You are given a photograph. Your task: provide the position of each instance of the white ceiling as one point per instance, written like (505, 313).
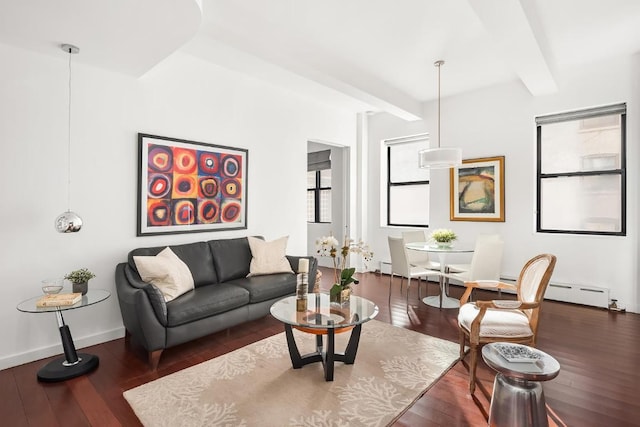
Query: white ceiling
(357, 54)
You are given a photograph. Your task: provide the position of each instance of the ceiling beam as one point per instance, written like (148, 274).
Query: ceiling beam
(318, 67)
(515, 28)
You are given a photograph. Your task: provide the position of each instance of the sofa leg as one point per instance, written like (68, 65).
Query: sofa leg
(154, 359)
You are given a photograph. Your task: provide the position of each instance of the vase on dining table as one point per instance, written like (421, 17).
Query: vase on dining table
(443, 245)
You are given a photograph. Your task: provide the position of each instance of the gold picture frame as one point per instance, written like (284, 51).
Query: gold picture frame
(477, 190)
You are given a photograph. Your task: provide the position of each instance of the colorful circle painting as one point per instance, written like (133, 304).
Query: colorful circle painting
(230, 211)
(208, 187)
(187, 186)
(158, 213)
(231, 188)
(208, 212)
(160, 158)
(208, 163)
(183, 212)
(159, 186)
(184, 160)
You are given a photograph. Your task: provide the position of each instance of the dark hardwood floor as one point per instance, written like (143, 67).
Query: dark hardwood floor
(598, 385)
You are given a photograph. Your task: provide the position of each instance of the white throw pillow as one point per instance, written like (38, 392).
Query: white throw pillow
(268, 257)
(167, 271)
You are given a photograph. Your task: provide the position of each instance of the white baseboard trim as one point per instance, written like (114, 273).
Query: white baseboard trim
(53, 350)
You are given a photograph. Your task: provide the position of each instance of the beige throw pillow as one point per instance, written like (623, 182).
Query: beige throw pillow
(167, 271)
(268, 257)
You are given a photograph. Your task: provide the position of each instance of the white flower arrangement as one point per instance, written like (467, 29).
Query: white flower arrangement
(443, 235)
(342, 276)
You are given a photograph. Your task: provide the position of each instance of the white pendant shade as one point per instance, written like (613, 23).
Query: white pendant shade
(440, 158)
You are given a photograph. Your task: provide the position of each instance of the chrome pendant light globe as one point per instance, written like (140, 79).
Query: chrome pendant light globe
(68, 222)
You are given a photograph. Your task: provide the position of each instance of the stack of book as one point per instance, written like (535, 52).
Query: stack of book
(517, 352)
(59, 300)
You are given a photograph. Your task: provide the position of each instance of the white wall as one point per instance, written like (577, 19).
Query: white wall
(182, 97)
(500, 121)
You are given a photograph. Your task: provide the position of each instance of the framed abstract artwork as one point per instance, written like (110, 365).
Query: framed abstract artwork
(188, 187)
(477, 190)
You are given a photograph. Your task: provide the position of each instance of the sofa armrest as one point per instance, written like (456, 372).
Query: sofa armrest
(153, 293)
(144, 315)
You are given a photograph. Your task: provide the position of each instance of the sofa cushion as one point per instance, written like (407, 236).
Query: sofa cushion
(231, 258)
(263, 288)
(167, 271)
(268, 257)
(205, 301)
(196, 255)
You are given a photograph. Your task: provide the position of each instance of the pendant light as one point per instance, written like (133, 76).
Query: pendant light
(69, 222)
(439, 157)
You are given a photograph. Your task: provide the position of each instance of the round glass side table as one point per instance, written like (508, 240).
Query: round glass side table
(73, 364)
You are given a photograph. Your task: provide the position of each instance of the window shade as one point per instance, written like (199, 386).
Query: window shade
(319, 160)
(582, 114)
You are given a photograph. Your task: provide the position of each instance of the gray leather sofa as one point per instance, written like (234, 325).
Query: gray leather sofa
(223, 296)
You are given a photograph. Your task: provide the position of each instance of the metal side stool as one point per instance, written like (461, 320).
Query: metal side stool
(518, 398)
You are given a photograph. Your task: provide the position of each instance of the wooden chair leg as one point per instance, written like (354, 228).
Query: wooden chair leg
(472, 368)
(390, 280)
(154, 359)
(462, 340)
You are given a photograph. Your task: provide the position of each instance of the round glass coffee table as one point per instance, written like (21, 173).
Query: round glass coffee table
(73, 364)
(323, 317)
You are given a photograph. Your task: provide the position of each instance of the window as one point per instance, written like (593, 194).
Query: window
(319, 186)
(581, 172)
(407, 184)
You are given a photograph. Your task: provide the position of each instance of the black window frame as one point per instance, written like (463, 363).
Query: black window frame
(316, 190)
(621, 171)
(390, 184)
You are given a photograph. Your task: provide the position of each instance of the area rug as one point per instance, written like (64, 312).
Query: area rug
(256, 385)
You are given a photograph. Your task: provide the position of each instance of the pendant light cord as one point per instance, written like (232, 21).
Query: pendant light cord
(439, 64)
(69, 140)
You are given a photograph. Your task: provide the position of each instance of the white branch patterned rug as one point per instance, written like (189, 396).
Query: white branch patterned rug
(256, 385)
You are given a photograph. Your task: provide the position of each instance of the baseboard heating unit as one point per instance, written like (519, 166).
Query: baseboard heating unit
(578, 294)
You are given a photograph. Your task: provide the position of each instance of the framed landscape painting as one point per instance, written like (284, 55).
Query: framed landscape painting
(477, 190)
(188, 187)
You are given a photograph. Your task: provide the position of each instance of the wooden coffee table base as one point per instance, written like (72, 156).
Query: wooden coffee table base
(327, 356)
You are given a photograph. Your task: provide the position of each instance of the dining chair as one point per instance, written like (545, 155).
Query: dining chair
(486, 263)
(514, 321)
(418, 258)
(459, 268)
(400, 266)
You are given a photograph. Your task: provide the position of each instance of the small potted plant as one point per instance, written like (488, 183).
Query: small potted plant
(443, 237)
(80, 279)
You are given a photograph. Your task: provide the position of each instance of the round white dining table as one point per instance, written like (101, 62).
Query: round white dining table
(442, 300)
